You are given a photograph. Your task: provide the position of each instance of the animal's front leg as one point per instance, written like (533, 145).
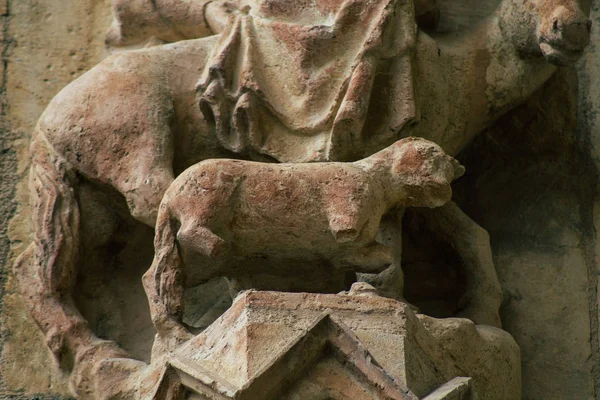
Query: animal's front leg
(390, 282)
(472, 244)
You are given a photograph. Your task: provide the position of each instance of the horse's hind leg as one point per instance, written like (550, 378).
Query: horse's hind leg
(46, 271)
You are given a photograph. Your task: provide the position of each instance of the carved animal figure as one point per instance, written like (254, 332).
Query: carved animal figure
(127, 127)
(227, 210)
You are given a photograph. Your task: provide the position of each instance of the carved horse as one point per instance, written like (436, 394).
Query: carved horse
(132, 123)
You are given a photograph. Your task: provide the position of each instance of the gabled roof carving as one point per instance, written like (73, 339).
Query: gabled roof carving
(300, 346)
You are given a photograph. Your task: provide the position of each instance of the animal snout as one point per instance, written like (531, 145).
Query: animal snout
(448, 169)
(458, 169)
(564, 35)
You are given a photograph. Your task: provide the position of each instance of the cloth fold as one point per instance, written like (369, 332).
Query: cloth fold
(294, 79)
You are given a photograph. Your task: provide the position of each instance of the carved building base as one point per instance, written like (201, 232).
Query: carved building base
(355, 345)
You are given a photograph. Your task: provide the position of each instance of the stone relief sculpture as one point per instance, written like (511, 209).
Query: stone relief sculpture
(269, 81)
(235, 216)
(336, 338)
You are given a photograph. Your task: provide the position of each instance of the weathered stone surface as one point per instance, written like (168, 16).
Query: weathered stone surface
(558, 356)
(542, 243)
(292, 346)
(235, 218)
(46, 45)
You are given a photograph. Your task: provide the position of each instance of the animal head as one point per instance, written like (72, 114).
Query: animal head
(421, 172)
(559, 30)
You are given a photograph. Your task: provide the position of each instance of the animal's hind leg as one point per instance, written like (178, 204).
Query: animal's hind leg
(201, 239)
(390, 282)
(46, 271)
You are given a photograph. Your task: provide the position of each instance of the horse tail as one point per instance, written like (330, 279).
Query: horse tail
(163, 282)
(46, 270)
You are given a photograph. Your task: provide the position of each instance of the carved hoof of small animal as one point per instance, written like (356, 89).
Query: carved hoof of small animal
(363, 289)
(180, 335)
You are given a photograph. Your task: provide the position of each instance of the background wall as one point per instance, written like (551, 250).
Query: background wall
(46, 44)
(531, 181)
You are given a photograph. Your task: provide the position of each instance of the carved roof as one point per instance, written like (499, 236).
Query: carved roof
(294, 346)
(327, 341)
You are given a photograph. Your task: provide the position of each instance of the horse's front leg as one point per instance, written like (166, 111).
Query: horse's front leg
(451, 225)
(47, 272)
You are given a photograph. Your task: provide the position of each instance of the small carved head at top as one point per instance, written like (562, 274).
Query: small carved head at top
(558, 30)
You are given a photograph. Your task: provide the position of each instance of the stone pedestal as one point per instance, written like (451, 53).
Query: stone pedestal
(355, 345)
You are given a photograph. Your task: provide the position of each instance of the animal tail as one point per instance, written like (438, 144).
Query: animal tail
(46, 270)
(163, 282)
